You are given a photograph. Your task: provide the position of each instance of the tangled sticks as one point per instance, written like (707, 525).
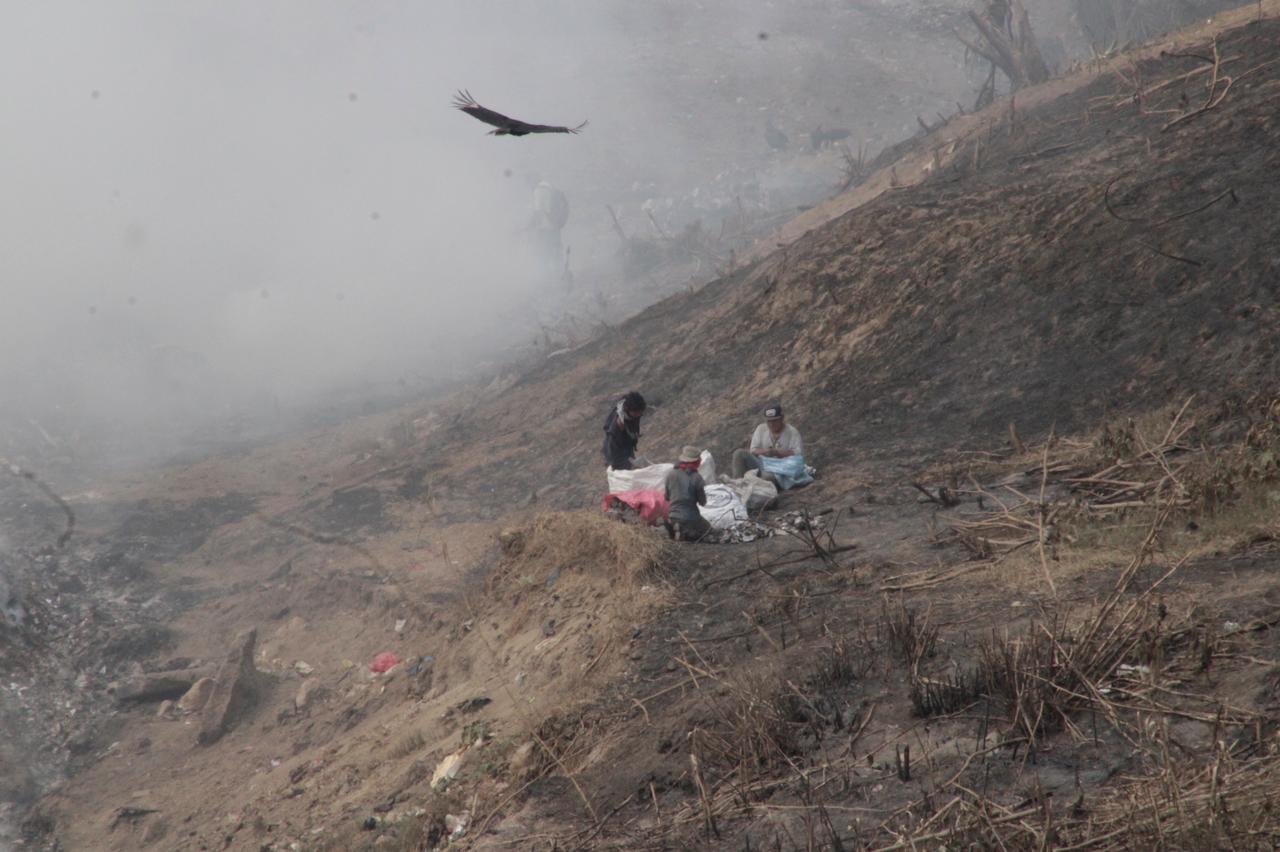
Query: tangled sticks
(23, 473)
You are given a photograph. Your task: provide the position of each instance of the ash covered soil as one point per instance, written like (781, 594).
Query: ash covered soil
(1066, 262)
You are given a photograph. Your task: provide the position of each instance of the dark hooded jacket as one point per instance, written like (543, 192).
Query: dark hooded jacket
(621, 437)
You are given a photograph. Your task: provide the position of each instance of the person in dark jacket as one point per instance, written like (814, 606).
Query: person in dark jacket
(622, 432)
(686, 491)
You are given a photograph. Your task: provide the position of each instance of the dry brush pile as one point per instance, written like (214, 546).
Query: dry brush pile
(1131, 471)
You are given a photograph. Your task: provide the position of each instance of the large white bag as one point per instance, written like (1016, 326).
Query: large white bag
(651, 478)
(755, 492)
(724, 508)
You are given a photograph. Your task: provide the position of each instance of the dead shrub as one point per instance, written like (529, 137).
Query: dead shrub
(949, 693)
(907, 633)
(754, 730)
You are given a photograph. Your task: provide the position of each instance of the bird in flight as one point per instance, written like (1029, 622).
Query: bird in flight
(506, 126)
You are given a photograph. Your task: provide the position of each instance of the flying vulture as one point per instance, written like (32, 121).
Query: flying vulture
(506, 126)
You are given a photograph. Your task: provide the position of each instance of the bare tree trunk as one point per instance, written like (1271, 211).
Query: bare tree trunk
(1009, 42)
(1097, 20)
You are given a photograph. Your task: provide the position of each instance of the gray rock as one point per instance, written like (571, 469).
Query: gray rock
(237, 689)
(308, 693)
(158, 686)
(195, 698)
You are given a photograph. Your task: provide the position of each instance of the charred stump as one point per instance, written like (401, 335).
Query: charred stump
(1008, 42)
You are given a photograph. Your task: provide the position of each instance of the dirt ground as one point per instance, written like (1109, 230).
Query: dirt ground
(1079, 258)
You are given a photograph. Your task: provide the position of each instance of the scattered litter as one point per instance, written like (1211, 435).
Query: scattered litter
(1231, 626)
(800, 521)
(384, 662)
(421, 664)
(400, 623)
(740, 533)
(467, 625)
(303, 669)
(457, 825)
(1126, 670)
(448, 768)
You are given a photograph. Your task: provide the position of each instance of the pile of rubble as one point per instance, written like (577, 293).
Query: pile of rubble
(797, 522)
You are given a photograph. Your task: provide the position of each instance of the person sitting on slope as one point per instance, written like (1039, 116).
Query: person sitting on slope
(774, 439)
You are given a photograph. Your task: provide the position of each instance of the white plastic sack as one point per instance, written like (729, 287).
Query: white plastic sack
(761, 492)
(707, 467)
(755, 492)
(651, 478)
(724, 508)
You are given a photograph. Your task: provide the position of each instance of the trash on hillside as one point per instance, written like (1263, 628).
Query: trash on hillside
(457, 825)
(384, 662)
(421, 664)
(448, 768)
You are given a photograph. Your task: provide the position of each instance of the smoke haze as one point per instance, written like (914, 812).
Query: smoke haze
(233, 206)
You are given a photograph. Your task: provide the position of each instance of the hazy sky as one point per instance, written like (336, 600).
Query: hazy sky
(280, 187)
(220, 200)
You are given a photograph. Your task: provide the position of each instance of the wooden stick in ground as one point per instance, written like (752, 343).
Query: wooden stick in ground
(1041, 514)
(708, 815)
(1018, 446)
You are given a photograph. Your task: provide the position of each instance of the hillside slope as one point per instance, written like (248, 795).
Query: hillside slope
(1092, 261)
(1073, 260)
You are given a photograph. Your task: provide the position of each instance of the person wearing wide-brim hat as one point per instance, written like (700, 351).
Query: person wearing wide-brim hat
(775, 438)
(686, 491)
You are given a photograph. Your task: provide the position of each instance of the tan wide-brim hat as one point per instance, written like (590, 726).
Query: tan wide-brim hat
(690, 454)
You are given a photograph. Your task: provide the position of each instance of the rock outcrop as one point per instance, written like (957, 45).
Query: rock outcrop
(237, 688)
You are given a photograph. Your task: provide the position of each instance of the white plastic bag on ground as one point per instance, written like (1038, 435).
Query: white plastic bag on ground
(724, 508)
(755, 492)
(653, 477)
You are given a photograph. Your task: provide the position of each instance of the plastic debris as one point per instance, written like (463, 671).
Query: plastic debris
(384, 662)
(421, 664)
(457, 825)
(448, 768)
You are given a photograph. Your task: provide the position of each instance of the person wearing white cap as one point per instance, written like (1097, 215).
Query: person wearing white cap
(775, 438)
(686, 491)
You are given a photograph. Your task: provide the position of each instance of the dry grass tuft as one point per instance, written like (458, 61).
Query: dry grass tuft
(587, 543)
(411, 743)
(908, 633)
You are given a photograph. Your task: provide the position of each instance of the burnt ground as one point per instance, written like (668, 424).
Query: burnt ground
(1065, 265)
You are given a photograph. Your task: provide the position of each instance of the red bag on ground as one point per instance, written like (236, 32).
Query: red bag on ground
(384, 662)
(651, 505)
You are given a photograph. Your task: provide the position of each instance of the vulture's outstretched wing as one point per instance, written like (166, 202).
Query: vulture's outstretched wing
(548, 128)
(506, 126)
